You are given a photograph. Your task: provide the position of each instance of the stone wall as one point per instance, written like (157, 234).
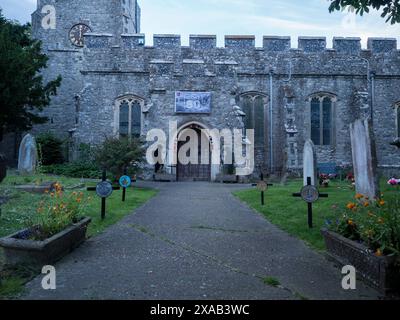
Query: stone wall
(113, 65)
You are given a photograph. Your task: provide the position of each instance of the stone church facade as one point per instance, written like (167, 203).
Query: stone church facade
(113, 84)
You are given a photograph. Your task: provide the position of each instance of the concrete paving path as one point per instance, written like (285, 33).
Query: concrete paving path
(195, 241)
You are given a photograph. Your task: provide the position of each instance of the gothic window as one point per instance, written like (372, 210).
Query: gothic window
(397, 114)
(253, 105)
(128, 114)
(321, 108)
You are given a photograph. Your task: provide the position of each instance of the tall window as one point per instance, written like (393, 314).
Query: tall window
(397, 112)
(253, 105)
(322, 120)
(129, 117)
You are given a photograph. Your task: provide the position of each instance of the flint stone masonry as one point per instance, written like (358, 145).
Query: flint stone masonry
(113, 64)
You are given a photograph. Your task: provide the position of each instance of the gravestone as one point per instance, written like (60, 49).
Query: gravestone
(309, 163)
(364, 159)
(3, 167)
(27, 157)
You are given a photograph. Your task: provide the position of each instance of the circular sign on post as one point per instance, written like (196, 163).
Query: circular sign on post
(310, 194)
(104, 189)
(125, 182)
(262, 186)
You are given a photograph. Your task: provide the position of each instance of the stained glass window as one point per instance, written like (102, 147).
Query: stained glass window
(136, 119)
(398, 120)
(259, 120)
(315, 121)
(130, 118)
(124, 119)
(321, 121)
(327, 121)
(253, 106)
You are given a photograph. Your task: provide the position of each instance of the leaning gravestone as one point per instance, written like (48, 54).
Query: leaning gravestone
(309, 163)
(27, 157)
(364, 159)
(3, 167)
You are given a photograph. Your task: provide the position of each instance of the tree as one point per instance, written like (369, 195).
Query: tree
(390, 8)
(116, 154)
(22, 92)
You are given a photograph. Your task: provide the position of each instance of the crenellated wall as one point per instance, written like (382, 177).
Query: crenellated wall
(109, 67)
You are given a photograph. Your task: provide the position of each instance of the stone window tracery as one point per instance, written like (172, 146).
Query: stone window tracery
(128, 116)
(322, 119)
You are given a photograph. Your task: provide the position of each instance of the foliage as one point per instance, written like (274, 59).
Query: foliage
(50, 149)
(390, 8)
(56, 211)
(79, 169)
(85, 153)
(373, 222)
(22, 91)
(116, 154)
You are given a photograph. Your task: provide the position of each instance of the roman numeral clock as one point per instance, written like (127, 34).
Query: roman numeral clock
(76, 34)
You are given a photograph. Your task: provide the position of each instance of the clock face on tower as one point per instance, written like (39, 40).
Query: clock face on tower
(76, 34)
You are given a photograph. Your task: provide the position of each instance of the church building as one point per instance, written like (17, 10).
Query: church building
(115, 84)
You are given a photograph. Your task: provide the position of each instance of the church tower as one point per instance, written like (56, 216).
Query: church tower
(60, 25)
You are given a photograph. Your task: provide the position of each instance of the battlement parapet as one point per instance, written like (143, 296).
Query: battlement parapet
(274, 44)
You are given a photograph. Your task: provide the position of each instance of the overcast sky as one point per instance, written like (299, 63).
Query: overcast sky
(256, 17)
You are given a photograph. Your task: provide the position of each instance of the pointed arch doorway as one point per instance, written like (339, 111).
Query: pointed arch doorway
(197, 171)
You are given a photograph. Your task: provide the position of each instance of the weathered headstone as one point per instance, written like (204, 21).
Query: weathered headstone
(3, 167)
(27, 157)
(309, 163)
(364, 159)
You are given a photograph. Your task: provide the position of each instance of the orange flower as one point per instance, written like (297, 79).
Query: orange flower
(359, 196)
(78, 200)
(382, 202)
(350, 222)
(351, 206)
(366, 204)
(379, 253)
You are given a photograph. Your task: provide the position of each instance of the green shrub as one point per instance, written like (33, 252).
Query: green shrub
(74, 170)
(116, 154)
(50, 149)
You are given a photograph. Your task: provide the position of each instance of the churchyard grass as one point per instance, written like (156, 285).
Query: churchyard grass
(290, 213)
(22, 205)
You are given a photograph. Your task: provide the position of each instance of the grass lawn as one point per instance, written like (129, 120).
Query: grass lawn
(22, 205)
(290, 214)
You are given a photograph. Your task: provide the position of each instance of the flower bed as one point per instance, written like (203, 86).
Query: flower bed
(366, 234)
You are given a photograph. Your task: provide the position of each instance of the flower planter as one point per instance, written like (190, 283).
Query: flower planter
(380, 272)
(18, 250)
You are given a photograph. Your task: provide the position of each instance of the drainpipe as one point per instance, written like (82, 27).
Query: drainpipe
(271, 74)
(372, 75)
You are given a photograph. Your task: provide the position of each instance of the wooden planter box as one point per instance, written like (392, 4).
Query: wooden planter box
(380, 272)
(19, 251)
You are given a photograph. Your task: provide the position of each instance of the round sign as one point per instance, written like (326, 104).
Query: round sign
(262, 186)
(125, 182)
(310, 194)
(104, 189)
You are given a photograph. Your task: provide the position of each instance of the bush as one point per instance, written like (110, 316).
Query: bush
(116, 154)
(74, 170)
(50, 149)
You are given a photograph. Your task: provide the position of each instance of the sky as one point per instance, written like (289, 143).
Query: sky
(242, 17)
